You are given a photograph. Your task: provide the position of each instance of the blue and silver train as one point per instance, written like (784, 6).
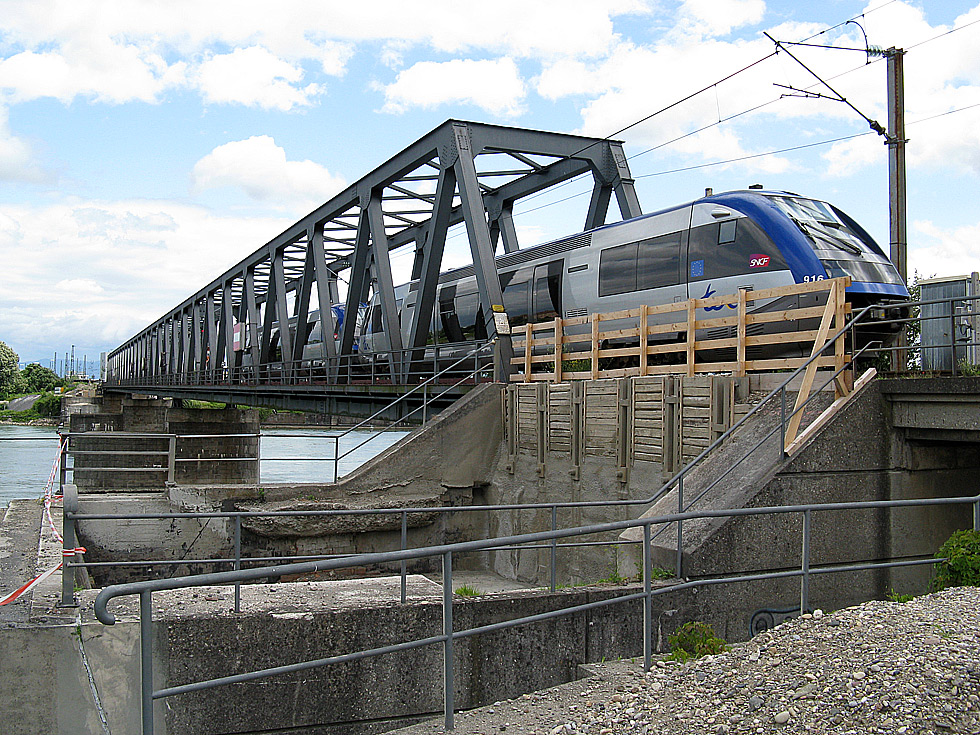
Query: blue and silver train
(751, 239)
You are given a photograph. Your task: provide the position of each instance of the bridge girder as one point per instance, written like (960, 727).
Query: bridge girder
(460, 172)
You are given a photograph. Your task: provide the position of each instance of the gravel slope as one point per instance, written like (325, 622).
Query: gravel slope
(881, 667)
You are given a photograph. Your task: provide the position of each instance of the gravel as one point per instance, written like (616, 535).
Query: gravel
(882, 667)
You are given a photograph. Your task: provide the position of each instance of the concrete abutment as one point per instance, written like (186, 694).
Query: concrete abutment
(527, 447)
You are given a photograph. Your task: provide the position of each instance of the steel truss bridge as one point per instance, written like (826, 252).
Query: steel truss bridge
(245, 336)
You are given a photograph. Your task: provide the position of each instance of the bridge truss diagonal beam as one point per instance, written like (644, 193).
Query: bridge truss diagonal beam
(460, 173)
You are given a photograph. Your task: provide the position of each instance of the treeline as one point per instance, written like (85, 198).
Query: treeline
(32, 379)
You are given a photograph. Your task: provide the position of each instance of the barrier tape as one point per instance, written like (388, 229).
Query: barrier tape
(49, 497)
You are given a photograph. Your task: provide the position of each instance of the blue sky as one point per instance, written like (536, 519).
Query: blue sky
(147, 146)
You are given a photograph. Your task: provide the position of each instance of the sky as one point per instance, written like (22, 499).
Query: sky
(147, 146)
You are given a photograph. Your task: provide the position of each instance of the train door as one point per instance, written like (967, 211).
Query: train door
(516, 291)
(546, 291)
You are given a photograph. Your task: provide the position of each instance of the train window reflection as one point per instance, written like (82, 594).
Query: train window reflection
(617, 270)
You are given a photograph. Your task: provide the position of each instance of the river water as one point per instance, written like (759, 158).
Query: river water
(27, 454)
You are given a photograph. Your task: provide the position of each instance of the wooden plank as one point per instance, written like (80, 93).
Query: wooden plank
(691, 310)
(740, 334)
(595, 347)
(528, 350)
(811, 370)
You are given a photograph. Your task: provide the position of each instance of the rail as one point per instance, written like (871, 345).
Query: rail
(449, 635)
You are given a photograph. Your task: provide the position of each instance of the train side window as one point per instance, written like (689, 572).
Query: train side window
(617, 269)
(656, 261)
(726, 231)
(751, 252)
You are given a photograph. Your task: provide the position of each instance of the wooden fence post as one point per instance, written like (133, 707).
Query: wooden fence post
(691, 334)
(528, 343)
(643, 339)
(558, 349)
(595, 346)
(740, 334)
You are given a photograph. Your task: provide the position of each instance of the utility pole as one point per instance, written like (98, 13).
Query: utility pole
(895, 140)
(896, 160)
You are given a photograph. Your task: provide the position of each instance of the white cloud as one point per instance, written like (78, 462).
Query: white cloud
(494, 85)
(719, 17)
(130, 261)
(117, 51)
(16, 159)
(105, 71)
(937, 251)
(255, 77)
(259, 168)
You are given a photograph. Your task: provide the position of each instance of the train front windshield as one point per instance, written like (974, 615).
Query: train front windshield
(842, 250)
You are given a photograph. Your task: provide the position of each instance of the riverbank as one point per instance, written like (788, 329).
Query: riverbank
(880, 667)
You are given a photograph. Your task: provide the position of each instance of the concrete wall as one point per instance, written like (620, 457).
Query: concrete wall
(388, 692)
(45, 686)
(158, 417)
(857, 456)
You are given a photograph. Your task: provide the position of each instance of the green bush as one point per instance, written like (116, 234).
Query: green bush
(48, 405)
(38, 378)
(694, 640)
(962, 566)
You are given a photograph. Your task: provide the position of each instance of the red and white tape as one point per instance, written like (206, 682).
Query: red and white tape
(49, 497)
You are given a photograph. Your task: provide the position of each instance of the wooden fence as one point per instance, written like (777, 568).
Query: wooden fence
(628, 335)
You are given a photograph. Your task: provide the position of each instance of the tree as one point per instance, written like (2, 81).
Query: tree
(9, 374)
(39, 378)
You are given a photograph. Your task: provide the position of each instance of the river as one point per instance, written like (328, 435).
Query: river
(28, 452)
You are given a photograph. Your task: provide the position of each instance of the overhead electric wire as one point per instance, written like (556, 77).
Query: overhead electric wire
(739, 114)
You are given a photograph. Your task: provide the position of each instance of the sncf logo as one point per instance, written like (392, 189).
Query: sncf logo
(758, 261)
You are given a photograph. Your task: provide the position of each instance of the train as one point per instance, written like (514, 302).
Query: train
(752, 239)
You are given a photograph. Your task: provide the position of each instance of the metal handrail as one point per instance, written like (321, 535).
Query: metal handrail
(146, 589)
(300, 371)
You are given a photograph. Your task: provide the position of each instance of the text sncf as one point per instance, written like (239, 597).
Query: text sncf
(758, 261)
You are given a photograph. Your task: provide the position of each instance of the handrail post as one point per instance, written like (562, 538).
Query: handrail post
(146, 661)
(447, 646)
(679, 563)
(171, 457)
(805, 567)
(647, 602)
(238, 562)
(554, 548)
(63, 469)
(782, 423)
(336, 457)
(976, 516)
(69, 507)
(404, 565)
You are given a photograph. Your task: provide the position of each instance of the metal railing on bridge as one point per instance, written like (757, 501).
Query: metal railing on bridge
(390, 367)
